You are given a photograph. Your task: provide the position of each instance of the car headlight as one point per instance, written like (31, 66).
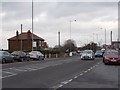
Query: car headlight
(81, 56)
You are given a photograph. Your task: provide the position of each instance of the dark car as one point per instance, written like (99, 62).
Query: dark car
(6, 57)
(20, 56)
(111, 57)
(99, 53)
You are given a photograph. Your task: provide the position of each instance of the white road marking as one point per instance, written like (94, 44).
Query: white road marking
(60, 85)
(81, 74)
(85, 71)
(8, 72)
(70, 80)
(65, 82)
(89, 69)
(9, 76)
(30, 69)
(19, 69)
(75, 77)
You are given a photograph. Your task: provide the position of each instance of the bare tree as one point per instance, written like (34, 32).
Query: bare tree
(69, 45)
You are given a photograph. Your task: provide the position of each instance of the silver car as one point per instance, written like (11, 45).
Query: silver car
(87, 55)
(6, 57)
(36, 55)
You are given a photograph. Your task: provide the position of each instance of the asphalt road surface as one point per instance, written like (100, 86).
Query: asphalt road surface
(62, 73)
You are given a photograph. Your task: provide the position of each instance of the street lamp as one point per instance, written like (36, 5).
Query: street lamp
(105, 35)
(32, 25)
(70, 54)
(70, 27)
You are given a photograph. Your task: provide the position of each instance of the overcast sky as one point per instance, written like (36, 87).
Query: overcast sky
(92, 18)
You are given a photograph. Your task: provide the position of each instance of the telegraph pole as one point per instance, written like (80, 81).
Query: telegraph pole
(32, 25)
(111, 37)
(21, 38)
(59, 39)
(70, 37)
(105, 37)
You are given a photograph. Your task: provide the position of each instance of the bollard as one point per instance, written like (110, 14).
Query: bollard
(56, 55)
(45, 55)
(49, 55)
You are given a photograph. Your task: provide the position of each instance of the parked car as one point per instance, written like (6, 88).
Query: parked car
(111, 57)
(6, 57)
(36, 55)
(20, 56)
(80, 53)
(87, 55)
(99, 53)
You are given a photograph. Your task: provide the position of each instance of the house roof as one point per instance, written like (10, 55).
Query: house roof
(26, 35)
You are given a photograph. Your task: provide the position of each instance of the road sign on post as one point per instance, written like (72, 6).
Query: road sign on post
(34, 44)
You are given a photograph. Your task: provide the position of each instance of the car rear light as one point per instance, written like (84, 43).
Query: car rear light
(17, 55)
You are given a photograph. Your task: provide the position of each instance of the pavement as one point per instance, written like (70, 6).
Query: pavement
(63, 73)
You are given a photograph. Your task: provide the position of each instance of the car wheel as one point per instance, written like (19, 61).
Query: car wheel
(3, 61)
(12, 61)
(39, 58)
(28, 59)
(106, 63)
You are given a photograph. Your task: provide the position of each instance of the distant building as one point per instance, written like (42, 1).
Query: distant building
(23, 41)
(116, 44)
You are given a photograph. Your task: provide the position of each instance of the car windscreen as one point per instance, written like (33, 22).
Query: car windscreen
(34, 52)
(15, 52)
(112, 53)
(98, 52)
(88, 52)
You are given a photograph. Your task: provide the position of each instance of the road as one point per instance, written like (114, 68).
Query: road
(61, 73)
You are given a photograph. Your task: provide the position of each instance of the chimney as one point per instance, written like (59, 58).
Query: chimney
(21, 28)
(29, 31)
(29, 34)
(17, 33)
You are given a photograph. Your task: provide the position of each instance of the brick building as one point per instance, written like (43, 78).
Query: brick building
(23, 41)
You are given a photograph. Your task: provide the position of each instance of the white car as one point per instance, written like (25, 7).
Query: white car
(87, 55)
(36, 55)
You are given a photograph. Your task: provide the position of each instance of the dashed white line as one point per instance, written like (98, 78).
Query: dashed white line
(89, 69)
(81, 74)
(70, 80)
(65, 82)
(85, 71)
(60, 86)
(76, 77)
(93, 66)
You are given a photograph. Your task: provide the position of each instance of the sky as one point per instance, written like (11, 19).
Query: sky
(92, 18)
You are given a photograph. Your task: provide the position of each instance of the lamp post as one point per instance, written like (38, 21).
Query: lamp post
(105, 35)
(59, 39)
(70, 54)
(32, 25)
